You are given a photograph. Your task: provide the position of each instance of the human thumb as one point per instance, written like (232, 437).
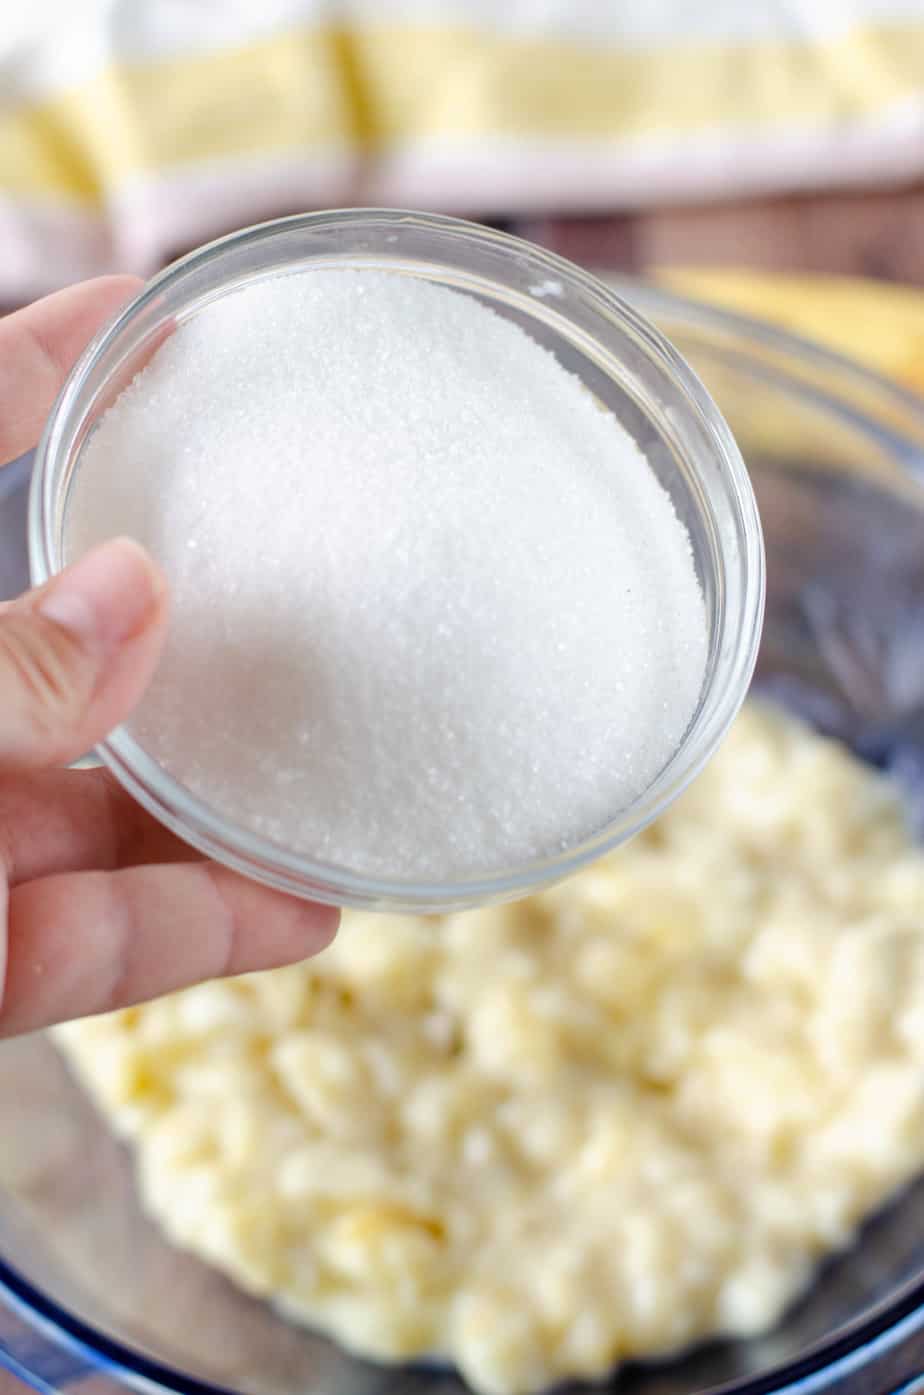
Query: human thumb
(77, 654)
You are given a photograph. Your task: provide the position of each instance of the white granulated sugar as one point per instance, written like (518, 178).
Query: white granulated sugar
(433, 615)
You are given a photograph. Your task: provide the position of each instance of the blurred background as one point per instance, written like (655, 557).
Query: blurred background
(785, 137)
(746, 152)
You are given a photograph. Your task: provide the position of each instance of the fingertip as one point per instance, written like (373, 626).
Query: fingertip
(107, 597)
(114, 603)
(89, 942)
(77, 654)
(320, 926)
(270, 928)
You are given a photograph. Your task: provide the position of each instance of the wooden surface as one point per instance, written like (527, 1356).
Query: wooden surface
(877, 233)
(872, 233)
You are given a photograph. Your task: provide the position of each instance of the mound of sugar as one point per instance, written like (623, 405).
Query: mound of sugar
(433, 615)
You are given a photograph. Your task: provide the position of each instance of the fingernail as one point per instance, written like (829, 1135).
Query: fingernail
(107, 597)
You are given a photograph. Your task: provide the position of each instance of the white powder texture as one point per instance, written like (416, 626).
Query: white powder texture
(433, 614)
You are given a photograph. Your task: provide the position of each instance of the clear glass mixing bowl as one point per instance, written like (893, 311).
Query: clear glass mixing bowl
(619, 357)
(101, 1303)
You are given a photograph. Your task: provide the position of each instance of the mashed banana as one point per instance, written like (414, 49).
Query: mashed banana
(619, 1116)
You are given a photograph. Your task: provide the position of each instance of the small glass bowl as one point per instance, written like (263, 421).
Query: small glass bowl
(620, 358)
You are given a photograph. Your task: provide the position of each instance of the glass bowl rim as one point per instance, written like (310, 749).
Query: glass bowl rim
(816, 1371)
(246, 852)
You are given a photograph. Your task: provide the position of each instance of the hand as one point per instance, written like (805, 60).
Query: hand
(99, 905)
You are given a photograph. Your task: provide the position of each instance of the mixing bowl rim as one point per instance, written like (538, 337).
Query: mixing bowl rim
(832, 1359)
